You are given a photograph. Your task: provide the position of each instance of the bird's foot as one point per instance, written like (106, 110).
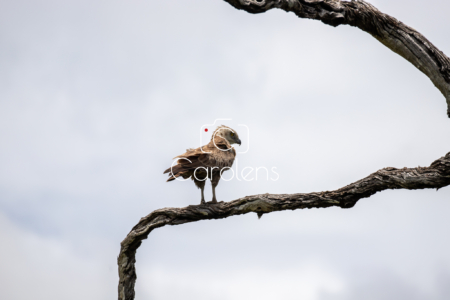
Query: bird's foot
(202, 202)
(214, 201)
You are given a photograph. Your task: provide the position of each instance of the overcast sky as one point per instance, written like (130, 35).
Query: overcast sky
(97, 97)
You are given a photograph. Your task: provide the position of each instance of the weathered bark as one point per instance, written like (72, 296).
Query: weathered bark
(395, 35)
(433, 177)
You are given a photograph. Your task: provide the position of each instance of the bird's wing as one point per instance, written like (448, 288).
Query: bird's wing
(213, 155)
(187, 163)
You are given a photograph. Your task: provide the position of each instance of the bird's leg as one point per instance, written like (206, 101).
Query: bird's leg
(214, 183)
(201, 185)
(214, 199)
(203, 196)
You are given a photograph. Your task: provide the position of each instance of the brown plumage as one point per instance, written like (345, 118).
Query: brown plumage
(208, 161)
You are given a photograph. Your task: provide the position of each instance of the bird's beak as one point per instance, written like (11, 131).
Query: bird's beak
(239, 142)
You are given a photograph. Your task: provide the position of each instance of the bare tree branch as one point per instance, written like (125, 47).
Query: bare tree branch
(395, 35)
(436, 176)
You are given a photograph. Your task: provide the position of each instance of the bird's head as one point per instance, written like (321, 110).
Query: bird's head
(228, 134)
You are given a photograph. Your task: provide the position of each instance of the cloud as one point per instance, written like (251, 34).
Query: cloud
(34, 267)
(97, 97)
(381, 284)
(256, 282)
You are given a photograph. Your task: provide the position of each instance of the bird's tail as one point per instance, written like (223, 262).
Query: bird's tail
(174, 172)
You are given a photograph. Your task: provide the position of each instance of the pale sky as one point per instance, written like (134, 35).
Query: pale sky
(97, 97)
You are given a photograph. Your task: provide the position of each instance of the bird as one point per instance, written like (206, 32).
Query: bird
(208, 161)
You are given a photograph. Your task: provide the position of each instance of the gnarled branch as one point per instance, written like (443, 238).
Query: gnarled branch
(401, 39)
(395, 35)
(435, 176)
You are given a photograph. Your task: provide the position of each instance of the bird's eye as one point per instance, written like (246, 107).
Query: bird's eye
(232, 134)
